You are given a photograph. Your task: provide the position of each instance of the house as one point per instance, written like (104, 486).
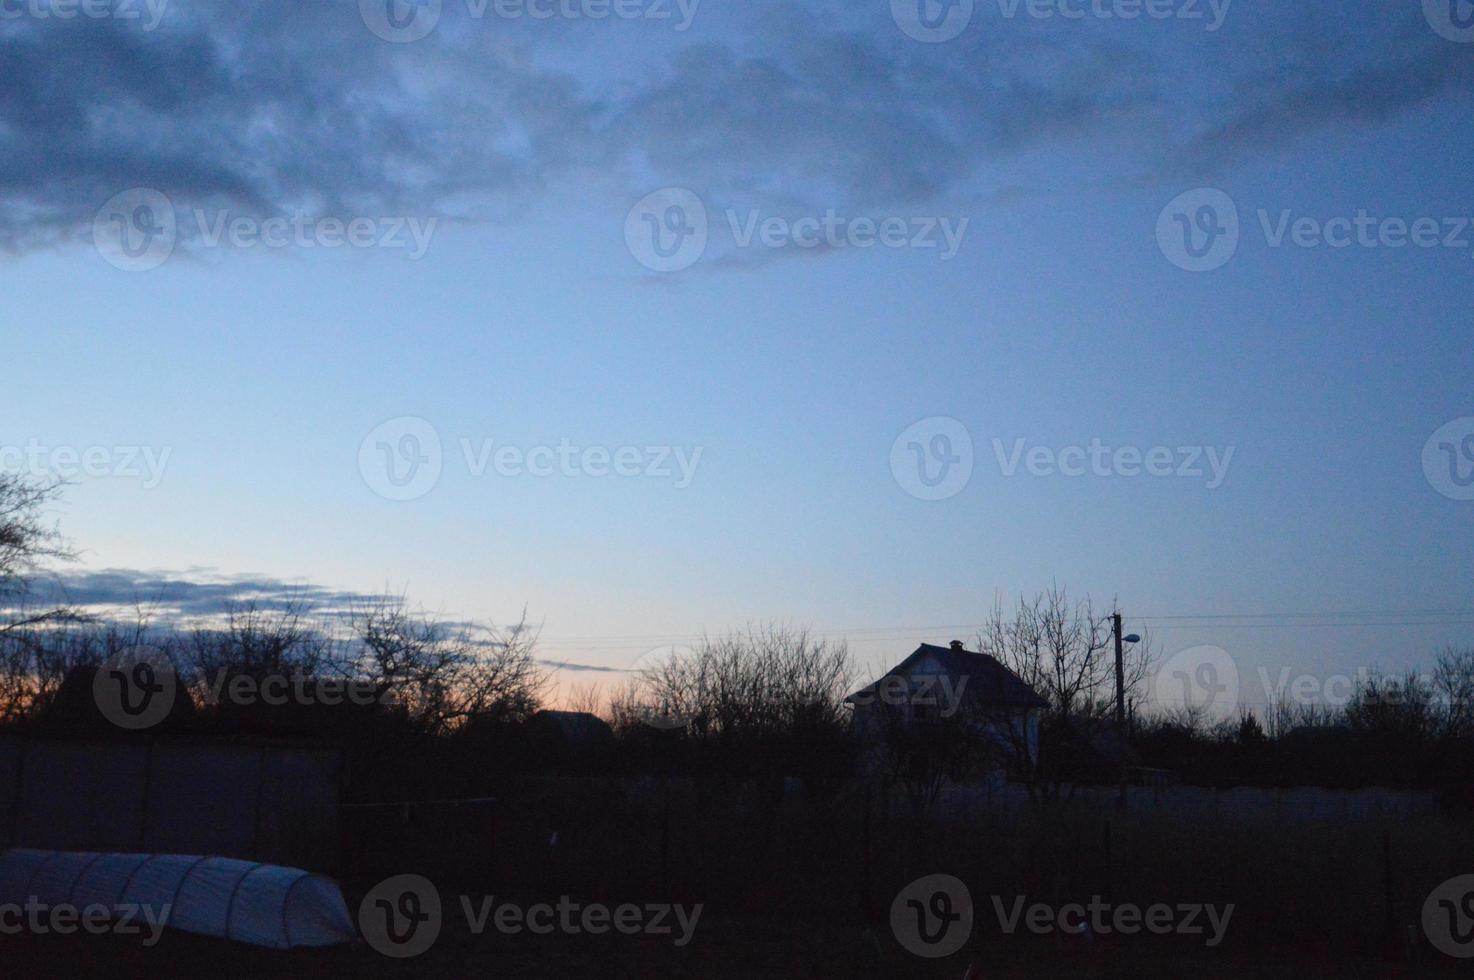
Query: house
(574, 741)
(954, 688)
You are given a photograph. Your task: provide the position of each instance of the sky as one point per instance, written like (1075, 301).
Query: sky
(658, 320)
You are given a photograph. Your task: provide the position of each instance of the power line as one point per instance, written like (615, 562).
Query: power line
(1342, 619)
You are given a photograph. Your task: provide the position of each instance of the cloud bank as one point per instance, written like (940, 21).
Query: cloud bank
(276, 107)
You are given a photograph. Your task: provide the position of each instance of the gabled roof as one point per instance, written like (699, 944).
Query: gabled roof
(989, 683)
(576, 726)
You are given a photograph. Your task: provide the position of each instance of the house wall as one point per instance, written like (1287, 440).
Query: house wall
(1017, 726)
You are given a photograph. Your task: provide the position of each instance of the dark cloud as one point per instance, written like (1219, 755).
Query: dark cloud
(1328, 85)
(277, 106)
(582, 668)
(200, 596)
(197, 593)
(267, 107)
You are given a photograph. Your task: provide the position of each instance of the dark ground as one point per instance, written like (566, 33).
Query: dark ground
(724, 947)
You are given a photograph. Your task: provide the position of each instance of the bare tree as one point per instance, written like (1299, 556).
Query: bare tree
(587, 698)
(761, 680)
(443, 674)
(256, 641)
(1453, 686)
(29, 650)
(1066, 653)
(1399, 710)
(1285, 714)
(26, 540)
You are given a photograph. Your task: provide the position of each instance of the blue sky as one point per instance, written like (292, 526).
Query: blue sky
(529, 320)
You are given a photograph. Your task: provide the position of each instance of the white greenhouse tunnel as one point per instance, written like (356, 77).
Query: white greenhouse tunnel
(244, 901)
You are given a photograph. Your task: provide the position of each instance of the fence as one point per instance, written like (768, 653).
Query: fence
(1294, 803)
(263, 803)
(1300, 866)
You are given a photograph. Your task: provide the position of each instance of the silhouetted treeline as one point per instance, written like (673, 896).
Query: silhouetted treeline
(1406, 731)
(443, 710)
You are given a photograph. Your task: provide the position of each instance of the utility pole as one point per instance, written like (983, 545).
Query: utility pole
(1120, 701)
(1120, 678)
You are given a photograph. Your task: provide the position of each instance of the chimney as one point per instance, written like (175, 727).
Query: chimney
(957, 645)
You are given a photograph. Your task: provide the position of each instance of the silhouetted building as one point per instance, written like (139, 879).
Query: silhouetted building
(954, 688)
